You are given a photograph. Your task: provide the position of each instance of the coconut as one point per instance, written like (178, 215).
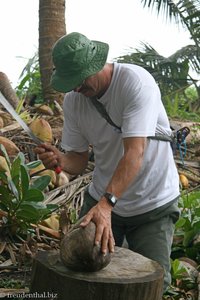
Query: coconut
(184, 181)
(10, 147)
(61, 179)
(78, 251)
(42, 171)
(45, 109)
(42, 129)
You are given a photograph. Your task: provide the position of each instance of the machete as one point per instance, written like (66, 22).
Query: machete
(14, 114)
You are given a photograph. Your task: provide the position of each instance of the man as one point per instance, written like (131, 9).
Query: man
(135, 185)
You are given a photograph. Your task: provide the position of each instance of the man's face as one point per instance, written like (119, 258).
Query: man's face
(90, 87)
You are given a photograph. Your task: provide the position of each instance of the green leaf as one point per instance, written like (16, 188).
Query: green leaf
(178, 269)
(27, 213)
(187, 202)
(187, 224)
(180, 222)
(4, 207)
(192, 252)
(3, 176)
(33, 164)
(23, 82)
(22, 158)
(17, 174)
(176, 265)
(194, 199)
(188, 237)
(41, 182)
(17, 183)
(32, 211)
(52, 207)
(38, 205)
(197, 212)
(13, 188)
(4, 193)
(5, 198)
(3, 150)
(33, 195)
(20, 106)
(15, 168)
(196, 226)
(24, 180)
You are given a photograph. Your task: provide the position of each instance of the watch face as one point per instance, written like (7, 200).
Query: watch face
(111, 198)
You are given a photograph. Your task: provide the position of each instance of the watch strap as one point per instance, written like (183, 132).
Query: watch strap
(112, 200)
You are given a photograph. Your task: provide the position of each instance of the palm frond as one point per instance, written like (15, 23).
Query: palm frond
(186, 12)
(189, 52)
(166, 7)
(171, 73)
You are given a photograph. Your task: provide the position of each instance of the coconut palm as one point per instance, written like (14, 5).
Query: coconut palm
(51, 27)
(173, 73)
(186, 12)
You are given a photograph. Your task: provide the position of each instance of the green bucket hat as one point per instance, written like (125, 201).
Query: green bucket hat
(75, 58)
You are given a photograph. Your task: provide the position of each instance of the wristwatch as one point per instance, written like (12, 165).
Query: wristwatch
(110, 198)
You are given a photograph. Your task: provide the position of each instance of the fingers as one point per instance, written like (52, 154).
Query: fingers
(48, 155)
(111, 243)
(86, 220)
(44, 148)
(104, 236)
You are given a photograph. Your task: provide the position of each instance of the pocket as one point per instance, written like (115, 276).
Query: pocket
(170, 209)
(175, 215)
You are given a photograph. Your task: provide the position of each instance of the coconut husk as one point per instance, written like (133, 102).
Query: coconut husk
(79, 252)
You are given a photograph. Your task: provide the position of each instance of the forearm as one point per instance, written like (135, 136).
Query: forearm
(128, 167)
(124, 175)
(74, 163)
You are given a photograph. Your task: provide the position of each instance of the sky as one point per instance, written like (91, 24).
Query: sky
(122, 24)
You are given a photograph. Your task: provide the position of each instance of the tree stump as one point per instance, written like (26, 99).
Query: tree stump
(129, 276)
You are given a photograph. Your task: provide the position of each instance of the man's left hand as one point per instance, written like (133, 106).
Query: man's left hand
(100, 214)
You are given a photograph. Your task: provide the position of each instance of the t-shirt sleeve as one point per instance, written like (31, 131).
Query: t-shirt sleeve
(72, 137)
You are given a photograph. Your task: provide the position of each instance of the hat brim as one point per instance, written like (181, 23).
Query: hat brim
(69, 82)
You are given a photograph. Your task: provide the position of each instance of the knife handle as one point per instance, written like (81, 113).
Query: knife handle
(58, 170)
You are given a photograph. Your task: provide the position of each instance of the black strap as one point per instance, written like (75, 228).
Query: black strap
(101, 109)
(162, 137)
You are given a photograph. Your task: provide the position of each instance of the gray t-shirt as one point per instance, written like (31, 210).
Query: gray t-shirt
(134, 103)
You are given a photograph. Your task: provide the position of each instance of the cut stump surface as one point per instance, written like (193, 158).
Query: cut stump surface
(129, 276)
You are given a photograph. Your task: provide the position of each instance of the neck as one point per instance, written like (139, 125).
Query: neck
(105, 78)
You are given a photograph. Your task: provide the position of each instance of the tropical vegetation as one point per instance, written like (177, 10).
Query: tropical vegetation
(178, 74)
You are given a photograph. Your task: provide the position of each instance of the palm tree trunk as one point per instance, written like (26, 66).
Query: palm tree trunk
(51, 27)
(7, 90)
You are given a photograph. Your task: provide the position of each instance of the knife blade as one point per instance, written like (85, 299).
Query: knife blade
(14, 114)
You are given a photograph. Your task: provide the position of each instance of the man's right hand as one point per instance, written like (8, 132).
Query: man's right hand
(49, 155)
